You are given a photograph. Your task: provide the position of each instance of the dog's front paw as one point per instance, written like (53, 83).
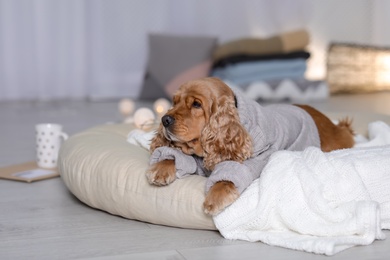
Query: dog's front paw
(220, 195)
(162, 173)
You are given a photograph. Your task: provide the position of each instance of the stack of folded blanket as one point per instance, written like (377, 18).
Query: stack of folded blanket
(271, 68)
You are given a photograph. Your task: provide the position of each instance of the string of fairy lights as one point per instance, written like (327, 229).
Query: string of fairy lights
(143, 118)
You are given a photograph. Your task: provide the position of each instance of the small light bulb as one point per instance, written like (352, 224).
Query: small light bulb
(159, 109)
(126, 106)
(144, 118)
(161, 106)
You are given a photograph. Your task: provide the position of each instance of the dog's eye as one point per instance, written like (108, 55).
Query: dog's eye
(194, 141)
(196, 104)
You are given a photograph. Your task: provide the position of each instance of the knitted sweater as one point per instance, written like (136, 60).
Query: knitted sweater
(272, 128)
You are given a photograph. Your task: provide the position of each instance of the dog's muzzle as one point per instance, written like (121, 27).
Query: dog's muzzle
(167, 121)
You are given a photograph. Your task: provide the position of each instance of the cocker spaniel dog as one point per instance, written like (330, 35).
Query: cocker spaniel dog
(216, 132)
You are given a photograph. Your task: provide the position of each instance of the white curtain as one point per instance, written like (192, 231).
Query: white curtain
(55, 49)
(58, 49)
(381, 22)
(42, 50)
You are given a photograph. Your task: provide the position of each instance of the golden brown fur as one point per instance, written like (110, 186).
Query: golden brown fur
(212, 131)
(204, 122)
(332, 137)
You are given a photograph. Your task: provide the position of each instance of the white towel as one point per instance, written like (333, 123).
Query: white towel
(141, 138)
(378, 134)
(317, 202)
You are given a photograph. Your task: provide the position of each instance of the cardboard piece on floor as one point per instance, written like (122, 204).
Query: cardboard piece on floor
(27, 172)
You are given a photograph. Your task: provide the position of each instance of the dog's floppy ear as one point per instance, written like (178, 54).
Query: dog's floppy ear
(159, 139)
(224, 138)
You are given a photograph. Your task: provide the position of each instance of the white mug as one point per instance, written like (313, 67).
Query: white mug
(49, 138)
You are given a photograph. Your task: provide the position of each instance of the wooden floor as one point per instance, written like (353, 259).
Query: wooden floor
(43, 220)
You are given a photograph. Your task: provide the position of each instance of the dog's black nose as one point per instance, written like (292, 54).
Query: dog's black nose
(167, 120)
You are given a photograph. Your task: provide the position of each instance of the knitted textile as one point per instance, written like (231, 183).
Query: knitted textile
(272, 128)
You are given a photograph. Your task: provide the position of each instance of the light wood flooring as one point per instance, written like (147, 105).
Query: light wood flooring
(43, 220)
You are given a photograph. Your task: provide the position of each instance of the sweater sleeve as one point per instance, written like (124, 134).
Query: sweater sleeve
(241, 174)
(185, 164)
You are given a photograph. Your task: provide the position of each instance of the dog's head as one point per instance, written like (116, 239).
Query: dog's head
(204, 121)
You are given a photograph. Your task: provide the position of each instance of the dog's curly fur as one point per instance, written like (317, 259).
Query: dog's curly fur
(206, 124)
(204, 121)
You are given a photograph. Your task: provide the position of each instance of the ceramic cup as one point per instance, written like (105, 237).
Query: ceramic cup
(49, 138)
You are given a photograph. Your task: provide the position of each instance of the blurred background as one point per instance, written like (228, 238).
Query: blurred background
(98, 49)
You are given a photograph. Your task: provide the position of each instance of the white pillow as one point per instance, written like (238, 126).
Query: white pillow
(106, 172)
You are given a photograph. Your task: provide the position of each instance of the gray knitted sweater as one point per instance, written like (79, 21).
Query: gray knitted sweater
(272, 128)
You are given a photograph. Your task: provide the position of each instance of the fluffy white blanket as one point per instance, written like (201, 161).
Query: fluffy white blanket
(317, 202)
(313, 201)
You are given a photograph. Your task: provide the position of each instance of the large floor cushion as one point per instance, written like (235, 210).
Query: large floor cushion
(106, 172)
